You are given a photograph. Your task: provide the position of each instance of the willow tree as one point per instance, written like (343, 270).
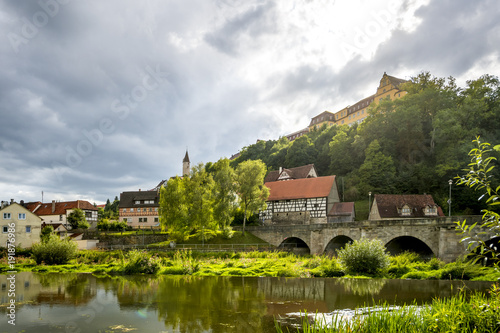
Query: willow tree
(250, 187)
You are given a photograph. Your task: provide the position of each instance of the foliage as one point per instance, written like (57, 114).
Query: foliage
(479, 177)
(461, 313)
(110, 210)
(46, 232)
(106, 225)
(364, 257)
(54, 251)
(140, 262)
(251, 191)
(77, 220)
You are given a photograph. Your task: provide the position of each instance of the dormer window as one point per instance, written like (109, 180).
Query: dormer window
(430, 210)
(405, 211)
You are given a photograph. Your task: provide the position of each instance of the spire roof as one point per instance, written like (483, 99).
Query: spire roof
(186, 158)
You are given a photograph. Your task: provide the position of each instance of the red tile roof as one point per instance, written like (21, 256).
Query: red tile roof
(60, 207)
(301, 188)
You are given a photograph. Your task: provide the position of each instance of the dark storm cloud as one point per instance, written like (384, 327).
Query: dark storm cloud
(243, 29)
(82, 114)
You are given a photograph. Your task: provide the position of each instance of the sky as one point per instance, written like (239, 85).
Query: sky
(101, 97)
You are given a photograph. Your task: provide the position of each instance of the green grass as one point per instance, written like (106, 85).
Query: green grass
(256, 263)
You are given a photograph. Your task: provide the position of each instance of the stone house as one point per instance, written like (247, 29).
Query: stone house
(395, 206)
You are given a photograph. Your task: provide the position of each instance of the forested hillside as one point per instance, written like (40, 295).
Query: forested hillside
(412, 145)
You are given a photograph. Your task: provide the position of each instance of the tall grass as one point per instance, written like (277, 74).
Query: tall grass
(462, 313)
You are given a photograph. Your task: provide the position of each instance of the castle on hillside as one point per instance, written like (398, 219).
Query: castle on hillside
(389, 88)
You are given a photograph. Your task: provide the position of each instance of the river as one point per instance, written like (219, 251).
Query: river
(85, 303)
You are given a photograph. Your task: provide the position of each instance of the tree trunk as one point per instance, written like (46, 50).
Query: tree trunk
(244, 221)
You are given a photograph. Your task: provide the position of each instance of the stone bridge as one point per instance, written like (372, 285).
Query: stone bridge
(428, 237)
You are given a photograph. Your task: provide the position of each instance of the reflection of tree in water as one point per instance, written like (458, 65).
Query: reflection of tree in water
(71, 288)
(55, 279)
(362, 287)
(191, 304)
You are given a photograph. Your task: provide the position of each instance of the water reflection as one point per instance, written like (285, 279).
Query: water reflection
(85, 303)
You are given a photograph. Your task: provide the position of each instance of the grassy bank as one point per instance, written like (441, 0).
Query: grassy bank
(460, 313)
(283, 264)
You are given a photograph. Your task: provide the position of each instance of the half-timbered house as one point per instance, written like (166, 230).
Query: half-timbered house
(300, 201)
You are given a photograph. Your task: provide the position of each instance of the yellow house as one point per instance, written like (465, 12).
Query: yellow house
(18, 221)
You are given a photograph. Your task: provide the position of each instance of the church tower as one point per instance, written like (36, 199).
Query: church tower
(185, 165)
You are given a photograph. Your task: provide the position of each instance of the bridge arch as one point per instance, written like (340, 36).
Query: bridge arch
(402, 244)
(336, 243)
(295, 245)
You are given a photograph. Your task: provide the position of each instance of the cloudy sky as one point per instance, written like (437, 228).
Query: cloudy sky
(100, 97)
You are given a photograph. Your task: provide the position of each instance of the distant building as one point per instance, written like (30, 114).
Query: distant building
(57, 212)
(139, 208)
(389, 88)
(18, 220)
(393, 206)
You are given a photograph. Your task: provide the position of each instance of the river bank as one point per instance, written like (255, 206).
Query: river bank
(277, 264)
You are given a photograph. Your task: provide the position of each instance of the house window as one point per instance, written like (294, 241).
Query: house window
(21, 216)
(131, 210)
(406, 211)
(88, 215)
(156, 209)
(60, 217)
(143, 219)
(5, 229)
(6, 216)
(138, 210)
(156, 220)
(430, 210)
(28, 229)
(124, 210)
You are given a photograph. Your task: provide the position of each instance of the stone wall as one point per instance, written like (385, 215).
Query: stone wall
(438, 234)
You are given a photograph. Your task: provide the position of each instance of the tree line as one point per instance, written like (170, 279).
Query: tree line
(205, 203)
(412, 145)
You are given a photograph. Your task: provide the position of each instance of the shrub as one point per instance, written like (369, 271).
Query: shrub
(364, 257)
(54, 251)
(140, 262)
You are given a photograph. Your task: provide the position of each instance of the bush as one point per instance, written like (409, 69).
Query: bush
(54, 251)
(364, 257)
(140, 262)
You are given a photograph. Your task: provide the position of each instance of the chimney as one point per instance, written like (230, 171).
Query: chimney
(281, 169)
(53, 206)
(11, 201)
